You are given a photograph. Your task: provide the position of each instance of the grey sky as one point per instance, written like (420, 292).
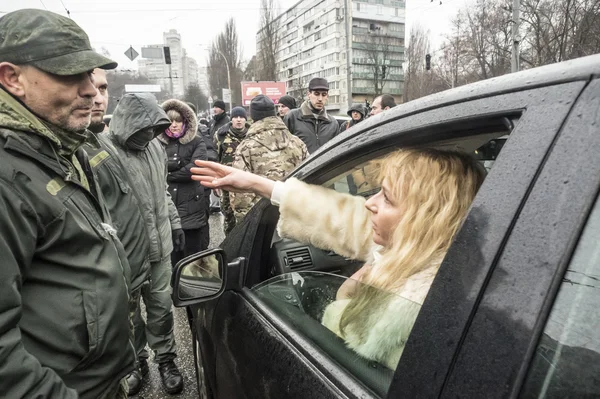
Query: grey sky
(116, 24)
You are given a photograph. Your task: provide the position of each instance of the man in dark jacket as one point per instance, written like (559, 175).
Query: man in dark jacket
(183, 146)
(310, 122)
(220, 118)
(136, 122)
(64, 275)
(357, 112)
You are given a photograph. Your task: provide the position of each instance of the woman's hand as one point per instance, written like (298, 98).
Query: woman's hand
(216, 176)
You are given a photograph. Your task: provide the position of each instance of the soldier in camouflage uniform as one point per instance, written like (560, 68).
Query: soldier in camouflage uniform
(269, 150)
(227, 140)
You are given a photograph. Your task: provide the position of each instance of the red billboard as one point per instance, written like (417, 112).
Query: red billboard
(273, 90)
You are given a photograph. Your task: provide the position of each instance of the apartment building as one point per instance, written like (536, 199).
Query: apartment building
(175, 77)
(313, 43)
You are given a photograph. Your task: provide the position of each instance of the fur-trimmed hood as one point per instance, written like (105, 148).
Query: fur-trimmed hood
(190, 119)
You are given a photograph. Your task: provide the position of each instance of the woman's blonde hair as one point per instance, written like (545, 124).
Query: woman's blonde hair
(174, 116)
(436, 189)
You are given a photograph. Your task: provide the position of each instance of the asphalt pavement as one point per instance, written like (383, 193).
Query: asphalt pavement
(185, 357)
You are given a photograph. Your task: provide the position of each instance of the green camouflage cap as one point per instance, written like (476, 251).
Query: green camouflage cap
(48, 41)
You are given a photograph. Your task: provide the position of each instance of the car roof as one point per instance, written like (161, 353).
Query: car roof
(578, 69)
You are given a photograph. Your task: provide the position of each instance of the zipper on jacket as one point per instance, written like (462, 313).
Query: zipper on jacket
(317, 133)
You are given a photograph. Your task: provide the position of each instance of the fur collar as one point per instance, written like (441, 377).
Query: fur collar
(308, 113)
(189, 117)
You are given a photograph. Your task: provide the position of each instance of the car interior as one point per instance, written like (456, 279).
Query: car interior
(291, 301)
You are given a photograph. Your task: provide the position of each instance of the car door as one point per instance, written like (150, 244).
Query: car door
(539, 261)
(252, 351)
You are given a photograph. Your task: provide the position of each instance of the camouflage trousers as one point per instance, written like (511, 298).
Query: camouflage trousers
(229, 223)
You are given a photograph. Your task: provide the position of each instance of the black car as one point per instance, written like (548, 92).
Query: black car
(513, 310)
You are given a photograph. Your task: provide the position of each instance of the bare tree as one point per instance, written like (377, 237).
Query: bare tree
(226, 45)
(417, 80)
(269, 40)
(555, 31)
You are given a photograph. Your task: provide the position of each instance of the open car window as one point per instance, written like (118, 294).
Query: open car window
(362, 179)
(361, 330)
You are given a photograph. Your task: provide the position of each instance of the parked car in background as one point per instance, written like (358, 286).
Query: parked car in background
(513, 310)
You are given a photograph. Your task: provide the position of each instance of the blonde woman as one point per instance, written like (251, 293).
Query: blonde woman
(402, 233)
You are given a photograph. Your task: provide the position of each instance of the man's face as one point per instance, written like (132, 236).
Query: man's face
(356, 115)
(318, 98)
(64, 101)
(238, 122)
(101, 99)
(217, 111)
(376, 106)
(283, 110)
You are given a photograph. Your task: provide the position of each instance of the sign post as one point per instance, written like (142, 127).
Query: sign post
(227, 97)
(131, 53)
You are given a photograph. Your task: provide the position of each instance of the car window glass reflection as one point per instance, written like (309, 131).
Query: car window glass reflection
(567, 360)
(376, 334)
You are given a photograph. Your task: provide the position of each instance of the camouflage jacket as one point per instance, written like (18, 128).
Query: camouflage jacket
(226, 142)
(269, 150)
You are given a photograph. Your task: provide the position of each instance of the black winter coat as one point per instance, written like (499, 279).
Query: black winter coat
(314, 132)
(187, 194)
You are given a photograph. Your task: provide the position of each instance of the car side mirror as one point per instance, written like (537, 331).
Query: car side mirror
(199, 278)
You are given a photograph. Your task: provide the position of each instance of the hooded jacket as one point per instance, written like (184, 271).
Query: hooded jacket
(124, 207)
(146, 168)
(314, 130)
(269, 150)
(187, 194)
(345, 228)
(358, 108)
(64, 320)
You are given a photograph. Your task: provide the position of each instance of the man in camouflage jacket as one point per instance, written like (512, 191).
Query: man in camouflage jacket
(227, 140)
(268, 150)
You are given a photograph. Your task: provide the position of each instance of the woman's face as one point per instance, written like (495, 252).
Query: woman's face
(176, 126)
(386, 212)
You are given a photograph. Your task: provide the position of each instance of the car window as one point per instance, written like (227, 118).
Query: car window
(567, 359)
(326, 308)
(362, 179)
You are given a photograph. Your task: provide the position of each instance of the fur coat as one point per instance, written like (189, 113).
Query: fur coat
(344, 226)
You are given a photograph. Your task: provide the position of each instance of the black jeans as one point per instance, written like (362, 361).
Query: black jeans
(196, 240)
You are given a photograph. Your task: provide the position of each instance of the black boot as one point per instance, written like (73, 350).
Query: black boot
(171, 377)
(135, 379)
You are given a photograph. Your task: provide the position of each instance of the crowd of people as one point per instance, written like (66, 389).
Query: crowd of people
(94, 217)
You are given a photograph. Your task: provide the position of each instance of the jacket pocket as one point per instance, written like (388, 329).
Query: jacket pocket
(90, 311)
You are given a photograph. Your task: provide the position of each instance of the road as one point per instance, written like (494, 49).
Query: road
(185, 360)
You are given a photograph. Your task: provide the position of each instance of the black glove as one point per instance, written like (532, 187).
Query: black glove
(178, 240)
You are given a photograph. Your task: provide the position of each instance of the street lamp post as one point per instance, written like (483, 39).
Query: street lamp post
(228, 78)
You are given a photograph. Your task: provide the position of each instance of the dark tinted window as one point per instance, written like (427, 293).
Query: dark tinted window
(566, 363)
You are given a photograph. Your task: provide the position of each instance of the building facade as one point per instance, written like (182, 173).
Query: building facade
(313, 43)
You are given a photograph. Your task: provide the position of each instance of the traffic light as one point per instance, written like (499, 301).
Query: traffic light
(167, 51)
(427, 62)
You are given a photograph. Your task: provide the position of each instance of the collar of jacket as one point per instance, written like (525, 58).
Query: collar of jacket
(239, 134)
(268, 123)
(220, 116)
(307, 113)
(191, 121)
(27, 134)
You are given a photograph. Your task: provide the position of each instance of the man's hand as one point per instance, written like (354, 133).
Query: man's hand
(178, 240)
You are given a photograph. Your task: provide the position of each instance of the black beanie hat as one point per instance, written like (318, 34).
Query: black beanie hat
(288, 101)
(220, 104)
(261, 107)
(238, 111)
